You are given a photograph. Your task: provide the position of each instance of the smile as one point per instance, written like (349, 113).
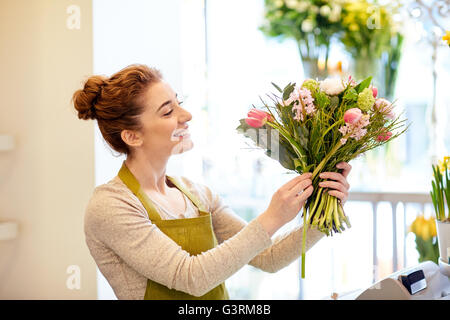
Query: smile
(182, 134)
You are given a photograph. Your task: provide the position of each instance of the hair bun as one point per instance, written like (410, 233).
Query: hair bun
(85, 99)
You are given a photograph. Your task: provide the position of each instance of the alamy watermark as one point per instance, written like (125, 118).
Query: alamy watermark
(73, 281)
(73, 21)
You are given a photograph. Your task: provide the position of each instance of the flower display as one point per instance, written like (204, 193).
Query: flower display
(320, 124)
(310, 23)
(440, 193)
(426, 238)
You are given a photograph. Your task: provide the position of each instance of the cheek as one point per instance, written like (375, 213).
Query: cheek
(162, 131)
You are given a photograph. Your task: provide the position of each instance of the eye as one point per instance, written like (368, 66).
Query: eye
(168, 113)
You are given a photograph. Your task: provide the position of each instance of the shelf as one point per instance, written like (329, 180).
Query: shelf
(8, 230)
(6, 142)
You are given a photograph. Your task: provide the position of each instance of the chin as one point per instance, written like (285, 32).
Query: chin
(182, 146)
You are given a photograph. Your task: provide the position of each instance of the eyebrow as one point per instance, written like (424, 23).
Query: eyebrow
(166, 103)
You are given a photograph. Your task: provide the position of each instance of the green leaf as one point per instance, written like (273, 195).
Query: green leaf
(277, 87)
(303, 135)
(263, 138)
(288, 90)
(350, 95)
(363, 84)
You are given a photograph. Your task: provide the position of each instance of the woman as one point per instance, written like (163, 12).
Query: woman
(154, 236)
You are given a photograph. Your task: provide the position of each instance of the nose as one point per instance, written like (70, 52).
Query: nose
(186, 116)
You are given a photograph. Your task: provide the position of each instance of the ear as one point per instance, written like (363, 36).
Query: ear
(131, 138)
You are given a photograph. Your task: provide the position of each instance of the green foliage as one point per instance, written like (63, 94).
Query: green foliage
(428, 249)
(440, 192)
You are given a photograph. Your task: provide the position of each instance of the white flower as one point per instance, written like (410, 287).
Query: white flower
(332, 86)
(314, 9)
(307, 25)
(335, 14)
(302, 6)
(291, 4)
(278, 3)
(325, 10)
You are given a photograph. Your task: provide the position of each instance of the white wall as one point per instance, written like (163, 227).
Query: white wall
(124, 33)
(46, 181)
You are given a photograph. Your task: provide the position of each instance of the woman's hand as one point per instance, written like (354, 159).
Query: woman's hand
(286, 203)
(337, 182)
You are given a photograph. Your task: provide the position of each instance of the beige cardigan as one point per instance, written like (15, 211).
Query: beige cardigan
(129, 249)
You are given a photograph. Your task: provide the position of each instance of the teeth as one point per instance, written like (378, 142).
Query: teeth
(180, 134)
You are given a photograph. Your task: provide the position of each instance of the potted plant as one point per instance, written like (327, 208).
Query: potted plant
(440, 195)
(426, 238)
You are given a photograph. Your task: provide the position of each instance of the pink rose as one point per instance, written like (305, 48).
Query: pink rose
(352, 115)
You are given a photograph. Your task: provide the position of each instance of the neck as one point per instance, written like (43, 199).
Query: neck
(150, 172)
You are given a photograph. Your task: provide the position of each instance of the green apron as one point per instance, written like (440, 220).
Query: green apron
(194, 235)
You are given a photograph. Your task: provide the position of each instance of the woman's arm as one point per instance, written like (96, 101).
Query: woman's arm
(285, 249)
(116, 218)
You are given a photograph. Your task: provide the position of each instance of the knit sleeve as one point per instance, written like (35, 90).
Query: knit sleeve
(285, 248)
(116, 218)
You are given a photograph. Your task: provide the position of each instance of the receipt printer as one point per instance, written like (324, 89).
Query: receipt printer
(423, 282)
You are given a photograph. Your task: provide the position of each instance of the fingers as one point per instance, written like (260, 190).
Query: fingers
(301, 186)
(334, 185)
(345, 167)
(292, 183)
(335, 176)
(340, 195)
(305, 194)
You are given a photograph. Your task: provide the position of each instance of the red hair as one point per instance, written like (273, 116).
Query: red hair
(115, 102)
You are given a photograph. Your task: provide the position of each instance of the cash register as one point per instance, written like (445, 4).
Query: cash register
(426, 281)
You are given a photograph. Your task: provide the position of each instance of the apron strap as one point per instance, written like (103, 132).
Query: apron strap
(131, 182)
(189, 194)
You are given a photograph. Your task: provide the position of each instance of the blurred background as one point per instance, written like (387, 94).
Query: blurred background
(221, 56)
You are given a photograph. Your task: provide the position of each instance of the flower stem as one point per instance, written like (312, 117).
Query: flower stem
(305, 226)
(327, 157)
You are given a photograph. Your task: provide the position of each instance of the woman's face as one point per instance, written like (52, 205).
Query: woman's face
(164, 122)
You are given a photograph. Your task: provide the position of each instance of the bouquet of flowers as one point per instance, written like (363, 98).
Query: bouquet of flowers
(313, 126)
(426, 238)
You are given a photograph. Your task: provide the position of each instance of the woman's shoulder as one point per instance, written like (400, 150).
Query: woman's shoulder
(111, 198)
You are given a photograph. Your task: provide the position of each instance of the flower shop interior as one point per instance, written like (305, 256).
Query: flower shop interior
(222, 57)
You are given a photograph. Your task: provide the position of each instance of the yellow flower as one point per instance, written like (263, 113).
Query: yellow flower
(444, 164)
(432, 226)
(353, 27)
(424, 228)
(447, 37)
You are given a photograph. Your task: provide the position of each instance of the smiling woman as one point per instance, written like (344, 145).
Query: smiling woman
(114, 102)
(155, 236)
